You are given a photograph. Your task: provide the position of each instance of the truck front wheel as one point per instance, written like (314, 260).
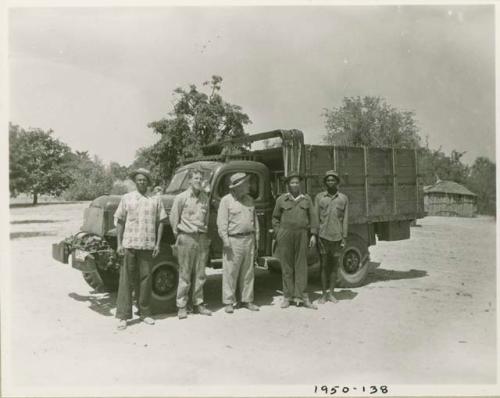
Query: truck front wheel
(165, 281)
(353, 262)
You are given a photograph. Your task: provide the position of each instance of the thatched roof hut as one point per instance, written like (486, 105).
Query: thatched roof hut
(448, 198)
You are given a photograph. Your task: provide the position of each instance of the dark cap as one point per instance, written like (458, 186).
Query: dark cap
(330, 173)
(293, 174)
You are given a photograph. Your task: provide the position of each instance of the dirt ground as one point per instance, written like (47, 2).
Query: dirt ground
(427, 315)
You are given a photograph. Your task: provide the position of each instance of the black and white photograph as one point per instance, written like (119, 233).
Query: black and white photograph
(249, 199)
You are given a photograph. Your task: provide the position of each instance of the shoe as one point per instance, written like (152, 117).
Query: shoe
(332, 298)
(252, 307)
(182, 313)
(285, 303)
(308, 304)
(202, 310)
(323, 299)
(229, 309)
(148, 320)
(122, 324)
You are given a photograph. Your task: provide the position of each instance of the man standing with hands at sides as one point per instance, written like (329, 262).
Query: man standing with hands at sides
(239, 230)
(189, 222)
(139, 229)
(332, 208)
(294, 217)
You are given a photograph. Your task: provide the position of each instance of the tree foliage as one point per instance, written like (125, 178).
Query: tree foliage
(38, 163)
(482, 181)
(90, 178)
(438, 165)
(197, 119)
(370, 121)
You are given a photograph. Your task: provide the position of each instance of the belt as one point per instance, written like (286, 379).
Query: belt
(192, 233)
(241, 234)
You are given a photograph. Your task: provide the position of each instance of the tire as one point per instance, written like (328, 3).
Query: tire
(165, 277)
(353, 262)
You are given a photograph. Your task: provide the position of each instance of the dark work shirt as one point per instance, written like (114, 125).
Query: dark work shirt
(295, 213)
(333, 215)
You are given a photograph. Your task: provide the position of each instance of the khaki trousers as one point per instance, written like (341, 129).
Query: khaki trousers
(192, 254)
(238, 269)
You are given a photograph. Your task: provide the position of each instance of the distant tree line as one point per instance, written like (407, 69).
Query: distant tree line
(43, 165)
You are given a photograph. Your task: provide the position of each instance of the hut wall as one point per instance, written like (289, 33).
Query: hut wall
(442, 204)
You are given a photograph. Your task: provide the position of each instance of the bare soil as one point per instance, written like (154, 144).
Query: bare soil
(427, 315)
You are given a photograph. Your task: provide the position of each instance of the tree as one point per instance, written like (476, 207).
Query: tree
(482, 181)
(439, 165)
(90, 178)
(370, 121)
(197, 119)
(37, 162)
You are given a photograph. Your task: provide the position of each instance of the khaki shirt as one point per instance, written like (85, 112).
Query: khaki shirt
(332, 215)
(189, 212)
(236, 217)
(295, 213)
(141, 214)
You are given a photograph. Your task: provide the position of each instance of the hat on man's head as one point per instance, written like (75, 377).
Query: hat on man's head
(237, 179)
(330, 173)
(293, 174)
(142, 171)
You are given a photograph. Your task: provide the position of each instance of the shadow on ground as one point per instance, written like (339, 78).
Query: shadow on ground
(31, 234)
(36, 221)
(384, 275)
(99, 302)
(13, 205)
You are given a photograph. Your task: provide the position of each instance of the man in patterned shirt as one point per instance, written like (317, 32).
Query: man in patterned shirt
(139, 229)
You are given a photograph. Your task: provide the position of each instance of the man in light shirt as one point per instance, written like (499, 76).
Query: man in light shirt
(139, 229)
(239, 230)
(189, 222)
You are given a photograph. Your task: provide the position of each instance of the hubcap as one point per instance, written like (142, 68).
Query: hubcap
(164, 280)
(351, 262)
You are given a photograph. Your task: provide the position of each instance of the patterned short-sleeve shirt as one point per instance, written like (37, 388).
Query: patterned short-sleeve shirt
(141, 214)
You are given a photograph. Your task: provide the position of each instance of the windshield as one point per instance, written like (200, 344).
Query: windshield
(180, 180)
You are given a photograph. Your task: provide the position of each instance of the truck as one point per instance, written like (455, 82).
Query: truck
(383, 186)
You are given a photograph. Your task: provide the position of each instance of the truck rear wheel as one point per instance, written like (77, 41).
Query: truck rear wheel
(353, 262)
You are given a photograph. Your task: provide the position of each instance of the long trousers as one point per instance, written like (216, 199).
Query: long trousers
(135, 275)
(291, 249)
(328, 252)
(238, 269)
(192, 253)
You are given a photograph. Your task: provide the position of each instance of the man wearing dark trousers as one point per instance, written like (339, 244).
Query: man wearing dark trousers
(332, 209)
(139, 229)
(294, 218)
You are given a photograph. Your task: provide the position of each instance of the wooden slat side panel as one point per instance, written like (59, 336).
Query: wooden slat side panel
(356, 196)
(350, 165)
(379, 166)
(380, 200)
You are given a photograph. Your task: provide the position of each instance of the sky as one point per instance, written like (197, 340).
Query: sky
(98, 76)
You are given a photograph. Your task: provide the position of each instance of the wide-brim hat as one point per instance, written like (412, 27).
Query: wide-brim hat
(146, 173)
(330, 173)
(293, 174)
(237, 179)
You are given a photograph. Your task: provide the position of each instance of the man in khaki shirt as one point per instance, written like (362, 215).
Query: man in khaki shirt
(239, 230)
(332, 209)
(189, 220)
